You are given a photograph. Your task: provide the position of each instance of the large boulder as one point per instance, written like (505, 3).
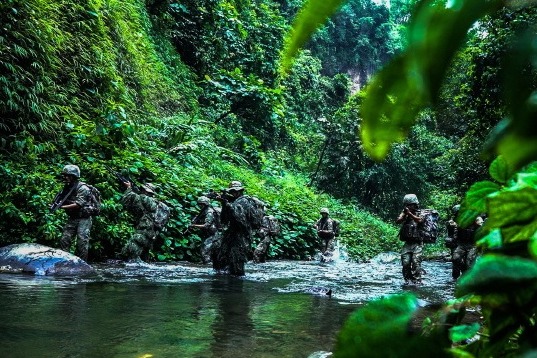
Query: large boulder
(41, 260)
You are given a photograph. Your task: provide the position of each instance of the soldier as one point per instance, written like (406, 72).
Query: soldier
(206, 224)
(241, 216)
(413, 243)
(77, 195)
(325, 231)
(451, 227)
(465, 252)
(269, 229)
(143, 207)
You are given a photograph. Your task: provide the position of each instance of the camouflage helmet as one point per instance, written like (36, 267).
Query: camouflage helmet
(204, 200)
(235, 186)
(410, 199)
(324, 210)
(149, 188)
(71, 170)
(455, 209)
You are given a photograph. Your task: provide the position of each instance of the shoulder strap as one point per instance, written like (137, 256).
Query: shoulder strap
(67, 195)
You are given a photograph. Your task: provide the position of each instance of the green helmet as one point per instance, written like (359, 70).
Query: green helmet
(410, 199)
(204, 200)
(455, 209)
(71, 170)
(324, 210)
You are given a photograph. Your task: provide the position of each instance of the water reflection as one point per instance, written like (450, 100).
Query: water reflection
(186, 310)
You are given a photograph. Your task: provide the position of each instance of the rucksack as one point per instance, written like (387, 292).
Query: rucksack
(162, 215)
(217, 213)
(335, 227)
(256, 212)
(428, 229)
(93, 206)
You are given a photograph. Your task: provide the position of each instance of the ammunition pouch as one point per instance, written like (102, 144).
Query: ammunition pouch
(409, 232)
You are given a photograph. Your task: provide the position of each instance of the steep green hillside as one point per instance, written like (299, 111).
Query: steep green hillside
(103, 83)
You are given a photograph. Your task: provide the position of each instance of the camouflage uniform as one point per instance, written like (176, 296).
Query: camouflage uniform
(240, 218)
(412, 251)
(143, 208)
(326, 224)
(209, 232)
(465, 252)
(77, 225)
(269, 229)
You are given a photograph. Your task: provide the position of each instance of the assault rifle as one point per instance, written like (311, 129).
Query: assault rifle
(223, 195)
(123, 179)
(187, 230)
(60, 199)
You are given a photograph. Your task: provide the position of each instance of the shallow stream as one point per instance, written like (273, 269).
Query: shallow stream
(279, 309)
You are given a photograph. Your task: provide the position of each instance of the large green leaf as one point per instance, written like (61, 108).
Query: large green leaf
(411, 81)
(512, 207)
(389, 109)
(520, 232)
(312, 15)
(520, 145)
(497, 274)
(382, 329)
(475, 201)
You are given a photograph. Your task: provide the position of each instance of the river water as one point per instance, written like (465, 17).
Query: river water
(278, 309)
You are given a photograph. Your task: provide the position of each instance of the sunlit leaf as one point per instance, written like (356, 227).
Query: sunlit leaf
(313, 14)
(497, 274)
(512, 207)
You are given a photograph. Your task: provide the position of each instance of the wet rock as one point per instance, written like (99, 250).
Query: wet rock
(320, 291)
(41, 260)
(320, 354)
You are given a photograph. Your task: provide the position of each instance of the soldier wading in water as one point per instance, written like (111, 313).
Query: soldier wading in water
(241, 217)
(143, 207)
(411, 252)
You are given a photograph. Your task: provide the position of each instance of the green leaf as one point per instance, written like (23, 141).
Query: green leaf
(497, 274)
(381, 329)
(499, 170)
(389, 109)
(313, 14)
(475, 201)
(492, 240)
(463, 332)
(404, 87)
(512, 207)
(518, 149)
(519, 232)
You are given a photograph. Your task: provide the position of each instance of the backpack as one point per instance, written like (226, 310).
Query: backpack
(162, 215)
(335, 227)
(217, 213)
(93, 206)
(256, 212)
(428, 229)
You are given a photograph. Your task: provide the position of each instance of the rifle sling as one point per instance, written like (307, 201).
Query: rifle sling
(67, 195)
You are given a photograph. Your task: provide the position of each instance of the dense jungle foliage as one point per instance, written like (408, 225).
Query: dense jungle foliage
(189, 96)
(498, 89)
